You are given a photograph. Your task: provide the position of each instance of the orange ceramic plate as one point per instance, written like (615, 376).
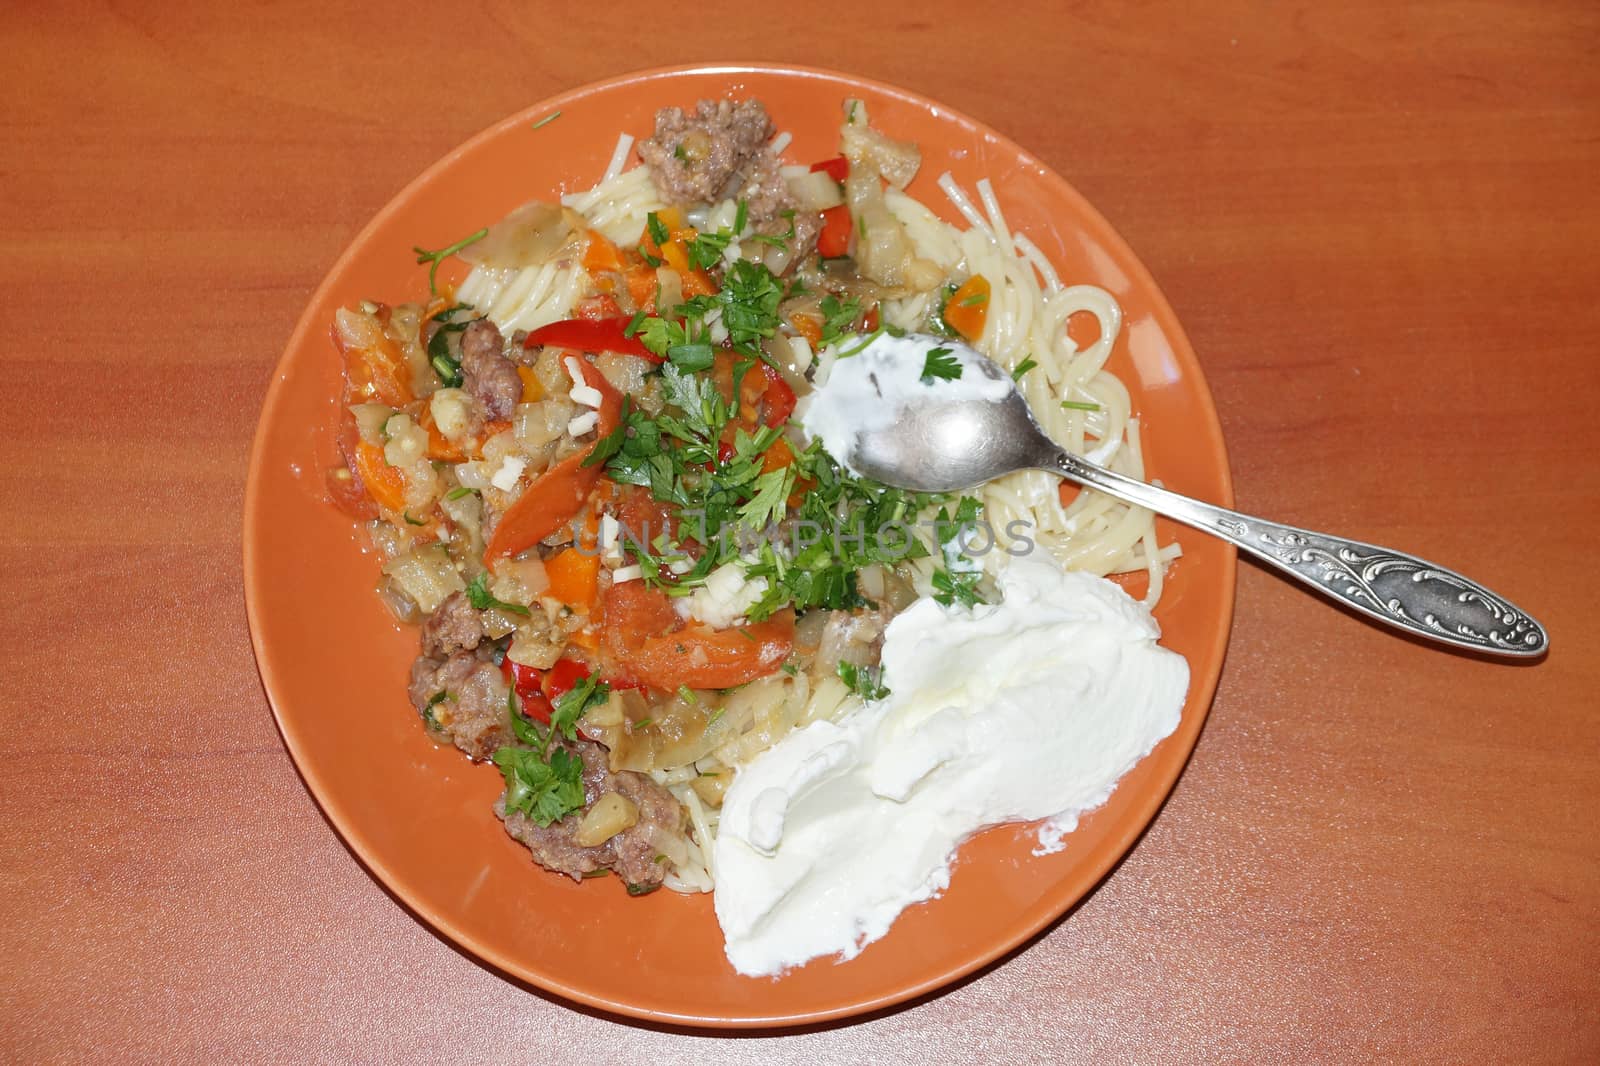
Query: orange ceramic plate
(334, 663)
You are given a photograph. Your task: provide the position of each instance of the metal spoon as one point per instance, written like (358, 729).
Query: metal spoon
(946, 446)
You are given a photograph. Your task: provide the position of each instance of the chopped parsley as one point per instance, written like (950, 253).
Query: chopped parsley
(705, 249)
(544, 791)
(574, 703)
(447, 366)
(479, 596)
(542, 784)
(435, 258)
(957, 581)
(941, 365)
(691, 357)
(864, 681)
(950, 588)
(434, 701)
(837, 317)
(657, 228)
(749, 300)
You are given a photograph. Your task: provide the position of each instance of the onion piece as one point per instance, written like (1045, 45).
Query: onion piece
(815, 190)
(605, 818)
(532, 234)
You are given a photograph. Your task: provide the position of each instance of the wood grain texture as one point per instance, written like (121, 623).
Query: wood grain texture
(1379, 225)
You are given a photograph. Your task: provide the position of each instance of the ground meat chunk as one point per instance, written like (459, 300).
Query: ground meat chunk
(631, 853)
(455, 625)
(472, 715)
(487, 374)
(808, 224)
(703, 158)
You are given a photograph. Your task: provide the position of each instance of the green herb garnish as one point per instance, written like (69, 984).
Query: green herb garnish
(657, 229)
(1022, 368)
(941, 365)
(864, 681)
(837, 317)
(574, 703)
(544, 791)
(551, 117)
(435, 258)
(479, 596)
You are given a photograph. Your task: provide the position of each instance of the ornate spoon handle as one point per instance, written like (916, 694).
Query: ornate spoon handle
(1406, 592)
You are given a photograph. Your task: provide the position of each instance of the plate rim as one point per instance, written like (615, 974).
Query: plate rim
(1149, 803)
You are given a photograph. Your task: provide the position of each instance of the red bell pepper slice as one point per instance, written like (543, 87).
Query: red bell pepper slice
(526, 680)
(559, 493)
(591, 335)
(779, 399)
(837, 168)
(562, 677)
(834, 240)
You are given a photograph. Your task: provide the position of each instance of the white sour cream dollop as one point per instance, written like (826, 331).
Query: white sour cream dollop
(1030, 709)
(866, 391)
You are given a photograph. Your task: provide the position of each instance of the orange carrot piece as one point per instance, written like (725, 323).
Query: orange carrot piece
(642, 289)
(698, 283)
(574, 577)
(808, 327)
(384, 483)
(560, 492)
(440, 447)
(532, 391)
(600, 254)
(968, 308)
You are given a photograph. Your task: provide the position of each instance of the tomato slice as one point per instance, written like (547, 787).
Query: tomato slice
(652, 644)
(559, 493)
(345, 488)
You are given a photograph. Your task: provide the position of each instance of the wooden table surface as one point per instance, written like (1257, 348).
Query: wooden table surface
(1379, 224)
